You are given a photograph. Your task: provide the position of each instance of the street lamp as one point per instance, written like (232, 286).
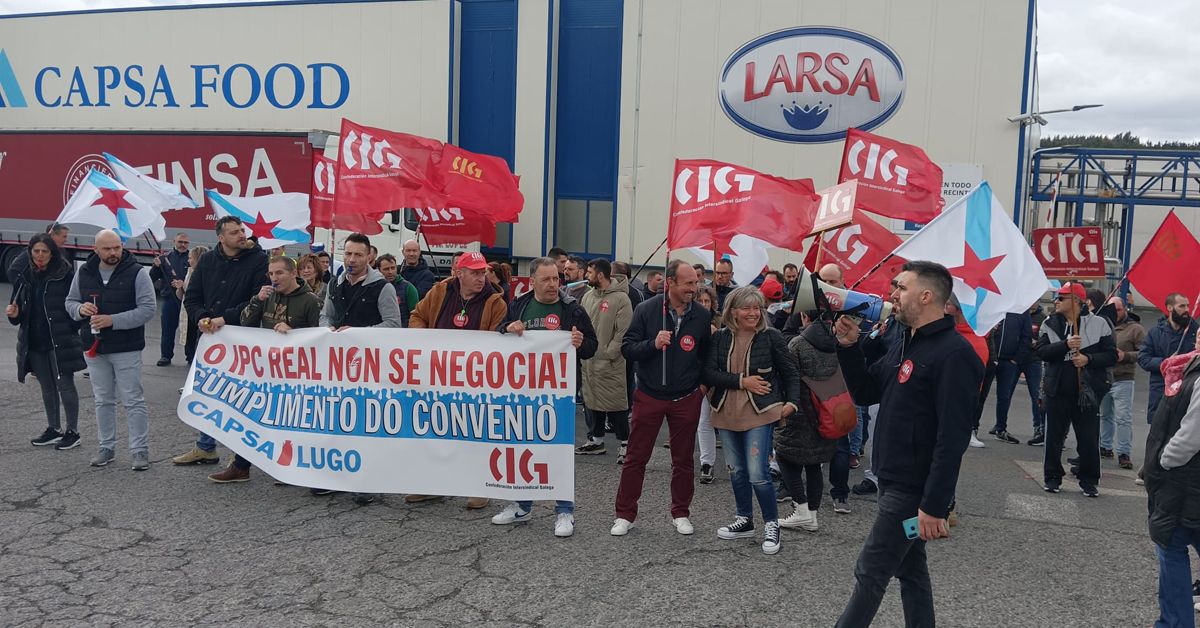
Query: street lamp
(1036, 116)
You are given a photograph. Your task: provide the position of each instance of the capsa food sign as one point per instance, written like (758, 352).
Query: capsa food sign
(810, 84)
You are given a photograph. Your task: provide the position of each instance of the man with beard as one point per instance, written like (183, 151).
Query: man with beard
(723, 281)
(223, 282)
(1174, 334)
(575, 272)
(927, 387)
(114, 297)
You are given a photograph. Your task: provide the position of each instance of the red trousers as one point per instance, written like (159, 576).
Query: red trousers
(682, 418)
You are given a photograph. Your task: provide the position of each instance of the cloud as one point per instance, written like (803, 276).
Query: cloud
(1138, 59)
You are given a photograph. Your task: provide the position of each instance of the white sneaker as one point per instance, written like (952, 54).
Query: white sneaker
(683, 525)
(512, 513)
(621, 527)
(976, 443)
(801, 519)
(564, 526)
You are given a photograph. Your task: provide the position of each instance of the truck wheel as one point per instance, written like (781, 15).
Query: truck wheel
(6, 260)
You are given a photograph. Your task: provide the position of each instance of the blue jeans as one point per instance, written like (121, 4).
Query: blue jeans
(748, 454)
(1116, 415)
(887, 552)
(839, 470)
(1008, 375)
(1175, 580)
(170, 325)
(856, 434)
(560, 507)
(113, 375)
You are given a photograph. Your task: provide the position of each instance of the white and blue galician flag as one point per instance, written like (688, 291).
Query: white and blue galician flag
(994, 270)
(276, 219)
(102, 202)
(160, 195)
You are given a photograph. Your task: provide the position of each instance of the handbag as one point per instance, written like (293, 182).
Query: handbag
(1088, 404)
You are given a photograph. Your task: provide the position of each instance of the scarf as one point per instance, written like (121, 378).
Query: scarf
(1172, 369)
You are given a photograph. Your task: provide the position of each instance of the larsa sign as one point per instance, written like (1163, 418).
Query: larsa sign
(810, 84)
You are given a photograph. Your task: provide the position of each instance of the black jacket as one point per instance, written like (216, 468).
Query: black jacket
(768, 358)
(1173, 495)
(927, 388)
(173, 265)
(1098, 345)
(1014, 338)
(575, 317)
(1163, 341)
(419, 276)
(221, 286)
(684, 357)
(50, 290)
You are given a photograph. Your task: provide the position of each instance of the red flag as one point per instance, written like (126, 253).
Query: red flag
(381, 170)
(894, 179)
(479, 183)
(456, 226)
(857, 248)
(321, 198)
(1163, 265)
(714, 201)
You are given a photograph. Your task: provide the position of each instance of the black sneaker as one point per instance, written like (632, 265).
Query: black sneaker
(866, 487)
(706, 474)
(49, 437)
(1073, 461)
(1124, 461)
(1075, 470)
(781, 492)
(163, 362)
(1052, 487)
(1089, 490)
(993, 431)
(590, 449)
(1196, 592)
(1004, 437)
(70, 440)
(741, 528)
(1106, 453)
(362, 499)
(1039, 439)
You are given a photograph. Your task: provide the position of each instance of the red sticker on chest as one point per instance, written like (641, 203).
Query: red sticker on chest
(906, 370)
(687, 343)
(552, 322)
(460, 320)
(604, 306)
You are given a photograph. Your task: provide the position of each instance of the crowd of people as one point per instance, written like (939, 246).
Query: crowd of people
(725, 366)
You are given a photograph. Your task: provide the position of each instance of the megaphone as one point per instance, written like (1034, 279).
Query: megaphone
(814, 294)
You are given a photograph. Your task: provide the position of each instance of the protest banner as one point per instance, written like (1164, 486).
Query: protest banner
(433, 412)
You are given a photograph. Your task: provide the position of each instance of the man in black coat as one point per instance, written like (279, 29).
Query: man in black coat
(415, 270)
(223, 282)
(927, 387)
(168, 273)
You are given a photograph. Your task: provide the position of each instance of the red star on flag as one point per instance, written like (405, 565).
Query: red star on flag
(977, 273)
(114, 200)
(260, 228)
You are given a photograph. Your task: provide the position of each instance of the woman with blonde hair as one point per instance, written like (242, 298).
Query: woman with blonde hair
(309, 269)
(753, 383)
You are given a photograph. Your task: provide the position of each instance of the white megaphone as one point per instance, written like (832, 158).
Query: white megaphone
(814, 294)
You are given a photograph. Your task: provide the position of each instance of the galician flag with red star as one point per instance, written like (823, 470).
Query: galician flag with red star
(276, 219)
(102, 202)
(995, 272)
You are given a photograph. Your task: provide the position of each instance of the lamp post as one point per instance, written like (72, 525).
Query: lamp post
(1025, 120)
(1036, 116)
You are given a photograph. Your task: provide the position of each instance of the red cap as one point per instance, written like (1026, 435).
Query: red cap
(1073, 288)
(473, 261)
(771, 289)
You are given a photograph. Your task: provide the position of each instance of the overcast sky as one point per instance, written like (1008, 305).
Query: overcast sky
(1136, 57)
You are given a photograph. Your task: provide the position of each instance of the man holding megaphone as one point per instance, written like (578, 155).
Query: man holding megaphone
(927, 386)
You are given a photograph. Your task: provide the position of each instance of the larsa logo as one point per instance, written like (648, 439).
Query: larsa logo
(721, 181)
(200, 85)
(811, 84)
(874, 164)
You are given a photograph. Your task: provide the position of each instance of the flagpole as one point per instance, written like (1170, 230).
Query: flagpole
(873, 269)
(666, 298)
(650, 257)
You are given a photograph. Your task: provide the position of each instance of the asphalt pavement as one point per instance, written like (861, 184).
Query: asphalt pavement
(110, 546)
